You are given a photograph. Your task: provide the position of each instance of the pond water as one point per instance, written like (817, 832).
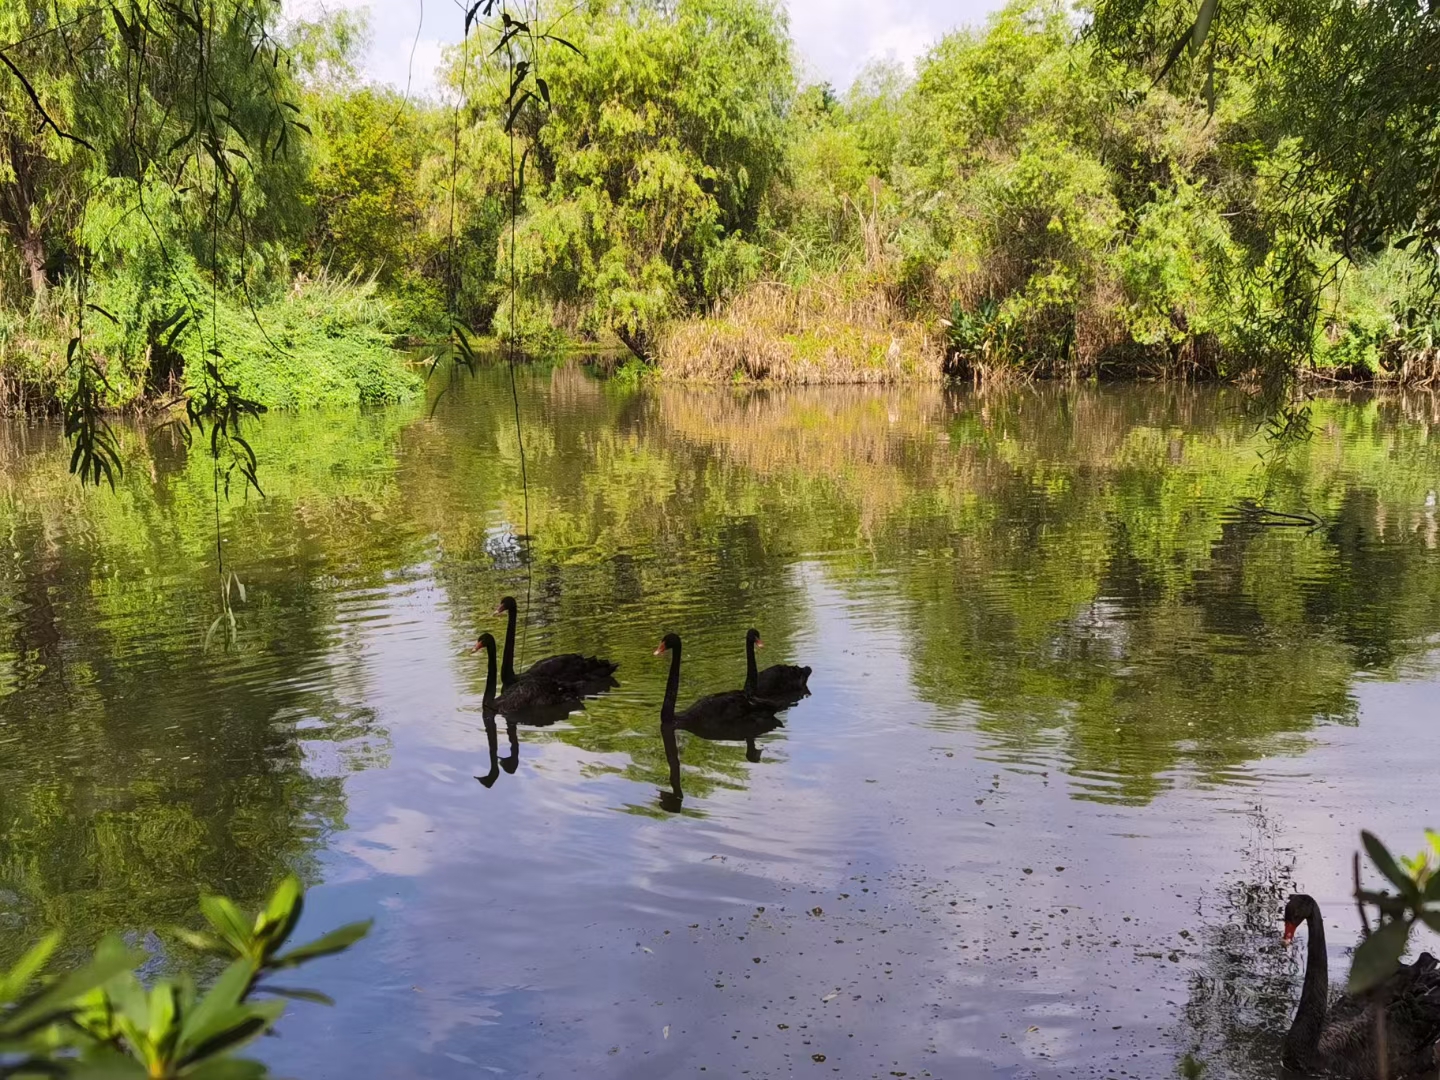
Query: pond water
(1079, 719)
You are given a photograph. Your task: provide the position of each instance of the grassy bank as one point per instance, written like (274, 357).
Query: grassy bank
(824, 332)
(875, 327)
(322, 342)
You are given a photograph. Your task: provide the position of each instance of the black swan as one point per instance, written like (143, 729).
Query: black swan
(590, 674)
(1338, 1039)
(535, 701)
(780, 683)
(731, 715)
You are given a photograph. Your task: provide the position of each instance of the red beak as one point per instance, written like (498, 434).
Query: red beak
(660, 649)
(478, 646)
(499, 610)
(1290, 929)
(759, 644)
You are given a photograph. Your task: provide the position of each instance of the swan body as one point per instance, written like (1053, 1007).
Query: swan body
(1338, 1039)
(729, 715)
(588, 674)
(783, 684)
(536, 701)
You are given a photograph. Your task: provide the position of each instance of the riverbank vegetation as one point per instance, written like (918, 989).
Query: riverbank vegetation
(1061, 192)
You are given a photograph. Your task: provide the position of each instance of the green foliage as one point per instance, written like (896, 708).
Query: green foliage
(647, 159)
(1415, 899)
(101, 1020)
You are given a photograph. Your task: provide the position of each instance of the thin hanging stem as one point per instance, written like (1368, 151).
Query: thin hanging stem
(515, 393)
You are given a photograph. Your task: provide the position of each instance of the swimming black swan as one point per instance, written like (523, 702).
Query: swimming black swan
(729, 715)
(590, 674)
(1339, 1039)
(535, 701)
(780, 683)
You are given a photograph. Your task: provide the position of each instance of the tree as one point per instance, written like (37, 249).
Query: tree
(1355, 85)
(648, 156)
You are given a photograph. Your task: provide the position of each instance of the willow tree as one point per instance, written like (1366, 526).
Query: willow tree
(648, 146)
(151, 143)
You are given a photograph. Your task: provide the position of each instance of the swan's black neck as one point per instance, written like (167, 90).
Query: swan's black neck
(488, 700)
(672, 686)
(751, 676)
(507, 665)
(1303, 1038)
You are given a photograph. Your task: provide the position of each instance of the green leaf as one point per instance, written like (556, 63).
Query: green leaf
(111, 960)
(215, 1010)
(227, 1068)
(201, 941)
(225, 917)
(295, 994)
(27, 967)
(233, 1028)
(282, 912)
(333, 942)
(1385, 863)
(107, 1064)
(1375, 959)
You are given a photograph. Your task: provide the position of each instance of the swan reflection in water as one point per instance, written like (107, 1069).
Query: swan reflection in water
(729, 716)
(511, 761)
(534, 700)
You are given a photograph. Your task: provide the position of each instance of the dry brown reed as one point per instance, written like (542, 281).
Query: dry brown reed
(822, 332)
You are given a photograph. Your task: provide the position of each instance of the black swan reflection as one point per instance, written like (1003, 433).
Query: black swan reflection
(731, 715)
(1339, 1038)
(492, 738)
(588, 674)
(674, 799)
(782, 684)
(536, 701)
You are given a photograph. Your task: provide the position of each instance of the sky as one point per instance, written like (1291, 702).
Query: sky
(835, 38)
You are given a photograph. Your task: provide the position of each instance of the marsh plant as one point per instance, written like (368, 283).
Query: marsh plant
(102, 1020)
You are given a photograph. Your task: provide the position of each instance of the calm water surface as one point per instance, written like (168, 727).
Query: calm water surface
(1079, 721)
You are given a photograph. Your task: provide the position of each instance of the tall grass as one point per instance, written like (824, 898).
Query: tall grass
(827, 330)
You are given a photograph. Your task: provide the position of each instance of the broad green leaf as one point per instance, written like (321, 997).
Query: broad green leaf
(313, 996)
(111, 959)
(104, 1063)
(333, 942)
(27, 967)
(219, 1001)
(201, 941)
(1375, 959)
(233, 1028)
(227, 1068)
(225, 917)
(162, 1031)
(281, 914)
(1386, 864)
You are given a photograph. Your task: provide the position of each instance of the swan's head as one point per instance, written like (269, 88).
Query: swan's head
(507, 606)
(1297, 909)
(670, 641)
(752, 637)
(486, 641)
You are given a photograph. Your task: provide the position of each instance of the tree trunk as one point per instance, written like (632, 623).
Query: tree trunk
(17, 199)
(32, 250)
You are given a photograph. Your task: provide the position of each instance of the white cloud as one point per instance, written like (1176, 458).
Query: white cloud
(833, 38)
(399, 30)
(836, 38)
